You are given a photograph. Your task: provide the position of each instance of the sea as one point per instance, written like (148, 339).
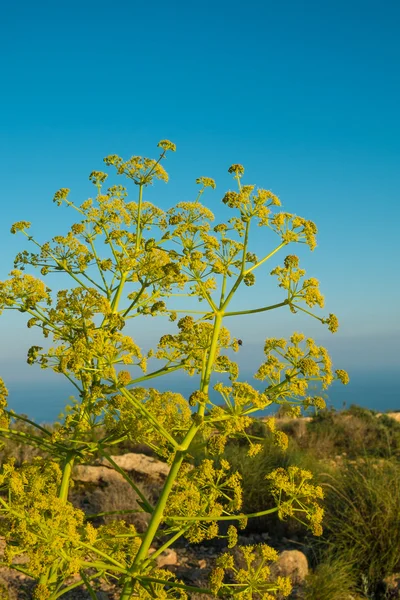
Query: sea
(43, 399)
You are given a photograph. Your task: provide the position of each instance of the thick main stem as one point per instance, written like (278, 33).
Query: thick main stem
(51, 574)
(66, 476)
(180, 454)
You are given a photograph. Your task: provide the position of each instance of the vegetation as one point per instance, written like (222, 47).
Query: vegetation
(130, 259)
(332, 579)
(354, 432)
(363, 520)
(360, 545)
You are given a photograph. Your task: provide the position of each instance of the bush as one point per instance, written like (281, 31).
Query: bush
(363, 519)
(333, 579)
(354, 432)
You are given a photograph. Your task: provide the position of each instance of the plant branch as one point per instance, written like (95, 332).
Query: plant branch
(256, 310)
(143, 498)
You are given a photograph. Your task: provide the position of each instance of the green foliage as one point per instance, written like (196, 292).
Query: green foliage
(354, 432)
(257, 494)
(332, 579)
(148, 256)
(363, 519)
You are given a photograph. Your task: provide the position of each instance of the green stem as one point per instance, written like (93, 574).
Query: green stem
(51, 574)
(109, 242)
(143, 498)
(117, 297)
(66, 476)
(132, 304)
(88, 586)
(154, 523)
(223, 288)
(242, 270)
(166, 545)
(18, 568)
(308, 313)
(211, 357)
(206, 294)
(262, 513)
(26, 420)
(260, 262)
(138, 225)
(117, 512)
(99, 287)
(189, 588)
(256, 310)
(180, 454)
(33, 439)
(191, 312)
(108, 558)
(158, 373)
(107, 290)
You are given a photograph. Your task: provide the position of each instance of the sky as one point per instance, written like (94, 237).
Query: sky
(304, 95)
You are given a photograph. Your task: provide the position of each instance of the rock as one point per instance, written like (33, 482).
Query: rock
(292, 564)
(167, 558)
(142, 465)
(102, 596)
(392, 583)
(89, 474)
(202, 563)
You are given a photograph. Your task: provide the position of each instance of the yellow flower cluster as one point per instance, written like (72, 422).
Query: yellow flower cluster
(98, 177)
(167, 145)
(60, 196)
(289, 368)
(35, 522)
(342, 376)
(204, 491)
(141, 170)
(23, 290)
(251, 574)
(161, 586)
(192, 343)
(252, 204)
(296, 497)
(20, 226)
(294, 229)
(206, 182)
(127, 416)
(289, 278)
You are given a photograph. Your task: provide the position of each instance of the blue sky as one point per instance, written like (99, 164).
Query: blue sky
(305, 95)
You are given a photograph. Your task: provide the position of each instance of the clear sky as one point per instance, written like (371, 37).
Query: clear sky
(305, 94)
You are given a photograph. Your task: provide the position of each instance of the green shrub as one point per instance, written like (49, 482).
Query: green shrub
(333, 579)
(362, 519)
(354, 432)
